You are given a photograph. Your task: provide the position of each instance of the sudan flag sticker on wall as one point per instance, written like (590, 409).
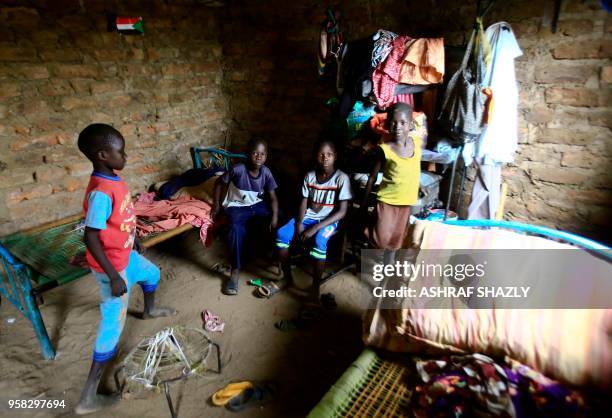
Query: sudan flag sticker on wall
(129, 24)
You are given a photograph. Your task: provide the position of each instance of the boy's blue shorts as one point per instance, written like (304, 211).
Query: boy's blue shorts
(284, 236)
(114, 309)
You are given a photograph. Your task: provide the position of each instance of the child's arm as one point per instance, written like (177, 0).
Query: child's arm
(274, 206)
(335, 216)
(379, 158)
(92, 241)
(219, 184)
(299, 219)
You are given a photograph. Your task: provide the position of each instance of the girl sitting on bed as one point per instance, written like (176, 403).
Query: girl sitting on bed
(400, 161)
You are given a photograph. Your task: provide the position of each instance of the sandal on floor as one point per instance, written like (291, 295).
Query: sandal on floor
(269, 288)
(223, 396)
(295, 324)
(258, 394)
(222, 268)
(230, 287)
(256, 282)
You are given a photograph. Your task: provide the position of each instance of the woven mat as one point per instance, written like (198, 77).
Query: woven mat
(371, 387)
(48, 252)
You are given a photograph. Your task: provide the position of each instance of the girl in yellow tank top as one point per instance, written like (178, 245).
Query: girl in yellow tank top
(400, 161)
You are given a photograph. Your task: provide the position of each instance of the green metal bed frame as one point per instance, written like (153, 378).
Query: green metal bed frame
(38, 259)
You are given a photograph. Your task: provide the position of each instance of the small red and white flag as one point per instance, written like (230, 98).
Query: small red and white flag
(129, 24)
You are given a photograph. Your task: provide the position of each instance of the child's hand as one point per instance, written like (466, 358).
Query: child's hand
(299, 229)
(139, 247)
(214, 212)
(273, 223)
(309, 233)
(118, 287)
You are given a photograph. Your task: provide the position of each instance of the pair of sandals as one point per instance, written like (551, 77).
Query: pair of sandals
(270, 288)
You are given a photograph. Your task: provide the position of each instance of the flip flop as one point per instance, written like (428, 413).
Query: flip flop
(258, 394)
(212, 322)
(223, 396)
(295, 324)
(255, 282)
(222, 268)
(230, 287)
(269, 288)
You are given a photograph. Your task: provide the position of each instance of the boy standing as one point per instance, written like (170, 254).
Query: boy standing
(110, 230)
(246, 185)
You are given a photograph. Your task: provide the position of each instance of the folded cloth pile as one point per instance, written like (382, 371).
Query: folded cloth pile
(164, 215)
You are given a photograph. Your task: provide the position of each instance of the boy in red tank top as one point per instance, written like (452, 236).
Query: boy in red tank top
(110, 230)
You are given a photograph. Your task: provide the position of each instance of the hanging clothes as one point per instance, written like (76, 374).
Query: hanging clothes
(356, 69)
(499, 140)
(383, 44)
(330, 40)
(486, 192)
(423, 61)
(386, 75)
(403, 98)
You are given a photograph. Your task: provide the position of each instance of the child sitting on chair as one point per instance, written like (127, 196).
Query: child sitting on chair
(325, 195)
(110, 231)
(246, 185)
(400, 161)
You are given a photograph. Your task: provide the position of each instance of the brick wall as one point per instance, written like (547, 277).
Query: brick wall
(202, 74)
(561, 177)
(61, 70)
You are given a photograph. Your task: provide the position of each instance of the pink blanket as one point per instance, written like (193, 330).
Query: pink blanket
(170, 214)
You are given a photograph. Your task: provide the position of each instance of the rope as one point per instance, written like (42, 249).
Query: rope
(167, 355)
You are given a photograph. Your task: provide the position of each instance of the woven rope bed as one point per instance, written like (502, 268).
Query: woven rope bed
(48, 249)
(371, 387)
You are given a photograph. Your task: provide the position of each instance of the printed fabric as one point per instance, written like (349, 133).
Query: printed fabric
(383, 44)
(386, 75)
(474, 385)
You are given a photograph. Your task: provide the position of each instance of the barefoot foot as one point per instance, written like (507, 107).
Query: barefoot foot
(159, 312)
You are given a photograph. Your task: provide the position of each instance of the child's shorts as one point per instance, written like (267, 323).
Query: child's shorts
(284, 236)
(114, 309)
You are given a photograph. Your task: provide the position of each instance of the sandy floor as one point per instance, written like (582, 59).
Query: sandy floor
(305, 363)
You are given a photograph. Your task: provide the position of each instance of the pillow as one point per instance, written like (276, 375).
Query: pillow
(203, 191)
(570, 345)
